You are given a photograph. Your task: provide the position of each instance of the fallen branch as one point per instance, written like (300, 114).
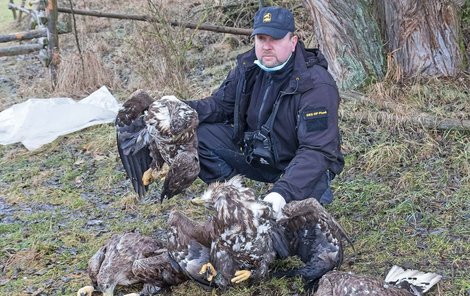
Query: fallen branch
(146, 18)
(21, 49)
(420, 119)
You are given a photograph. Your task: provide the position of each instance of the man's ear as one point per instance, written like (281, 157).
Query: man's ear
(294, 39)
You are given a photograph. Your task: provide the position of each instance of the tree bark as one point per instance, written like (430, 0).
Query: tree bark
(350, 39)
(422, 37)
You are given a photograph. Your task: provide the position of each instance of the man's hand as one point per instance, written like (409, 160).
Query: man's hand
(277, 202)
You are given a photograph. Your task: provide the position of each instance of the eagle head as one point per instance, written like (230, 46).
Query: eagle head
(172, 119)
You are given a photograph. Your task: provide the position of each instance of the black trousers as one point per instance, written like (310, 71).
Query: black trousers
(220, 159)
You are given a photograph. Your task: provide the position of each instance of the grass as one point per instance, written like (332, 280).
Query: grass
(398, 206)
(403, 197)
(6, 16)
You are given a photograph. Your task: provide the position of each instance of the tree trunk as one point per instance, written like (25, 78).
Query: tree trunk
(350, 39)
(422, 37)
(53, 40)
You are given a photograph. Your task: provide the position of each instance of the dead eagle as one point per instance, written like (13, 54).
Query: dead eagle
(398, 282)
(241, 245)
(307, 230)
(156, 139)
(131, 258)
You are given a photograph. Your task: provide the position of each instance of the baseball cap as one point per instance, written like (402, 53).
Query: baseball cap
(273, 21)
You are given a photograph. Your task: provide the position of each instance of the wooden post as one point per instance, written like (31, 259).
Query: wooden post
(12, 10)
(20, 14)
(53, 40)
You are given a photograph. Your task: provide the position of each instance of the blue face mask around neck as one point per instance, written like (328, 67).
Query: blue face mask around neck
(273, 69)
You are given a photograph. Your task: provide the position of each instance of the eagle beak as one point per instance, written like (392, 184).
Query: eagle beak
(197, 201)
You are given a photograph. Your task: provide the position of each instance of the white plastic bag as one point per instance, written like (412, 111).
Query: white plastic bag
(36, 122)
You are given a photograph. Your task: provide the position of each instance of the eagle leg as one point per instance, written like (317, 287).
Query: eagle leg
(147, 177)
(85, 291)
(209, 271)
(162, 173)
(240, 276)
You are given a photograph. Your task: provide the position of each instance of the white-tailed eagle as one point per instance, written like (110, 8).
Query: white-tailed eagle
(155, 139)
(308, 231)
(132, 258)
(241, 247)
(398, 282)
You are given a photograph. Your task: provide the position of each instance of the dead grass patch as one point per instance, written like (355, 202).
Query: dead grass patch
(27, 261)
(78, 73)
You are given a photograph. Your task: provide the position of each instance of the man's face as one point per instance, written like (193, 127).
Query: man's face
(273, 52)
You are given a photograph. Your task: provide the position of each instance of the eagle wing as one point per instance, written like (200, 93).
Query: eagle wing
(94, 265)
(310, 232)
(189, 245)
(133, 139)
(345, 283)
(181, 174)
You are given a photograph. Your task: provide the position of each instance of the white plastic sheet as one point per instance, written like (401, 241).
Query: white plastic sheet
(36, 122)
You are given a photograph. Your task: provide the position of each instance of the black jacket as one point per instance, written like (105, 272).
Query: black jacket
(305, 135)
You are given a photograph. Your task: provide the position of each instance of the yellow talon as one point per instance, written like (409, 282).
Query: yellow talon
(209, 270)
(197, 201)
(240, 276)
(86, 291)
(161, 173)
(147, 177)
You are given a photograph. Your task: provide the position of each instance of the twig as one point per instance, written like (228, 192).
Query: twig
(76, 37)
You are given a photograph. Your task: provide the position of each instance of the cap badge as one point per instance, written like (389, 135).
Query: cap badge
(267, 17)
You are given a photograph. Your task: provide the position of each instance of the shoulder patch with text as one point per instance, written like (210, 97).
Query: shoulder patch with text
(315, 119)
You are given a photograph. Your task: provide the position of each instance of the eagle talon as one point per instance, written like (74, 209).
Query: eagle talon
(209, 271)
(147, 177)
(240, 276)
(85, 291)
(161, 173)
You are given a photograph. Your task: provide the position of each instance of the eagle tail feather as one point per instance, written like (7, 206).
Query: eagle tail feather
(415, 281)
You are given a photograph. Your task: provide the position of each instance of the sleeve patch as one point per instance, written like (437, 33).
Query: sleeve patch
(315, 119)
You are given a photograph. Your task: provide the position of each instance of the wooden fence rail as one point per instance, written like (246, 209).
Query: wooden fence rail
(27, 35)
(147, 18)
(20, 49)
